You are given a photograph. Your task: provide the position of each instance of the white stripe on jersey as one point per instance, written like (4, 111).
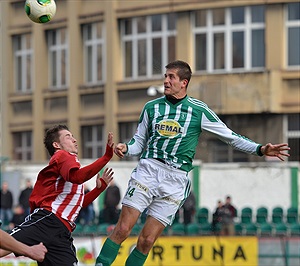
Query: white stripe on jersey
(166, 142)
(186, 125)
(203, 105)
(175, 148)
(75, 201)
(56, 204)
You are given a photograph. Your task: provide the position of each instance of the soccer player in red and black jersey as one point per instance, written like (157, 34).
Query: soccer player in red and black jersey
(58, 196)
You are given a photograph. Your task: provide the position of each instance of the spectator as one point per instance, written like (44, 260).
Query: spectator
(110, 212)
(189, 208)
(228, 215)
(6, 204)
(24, 197)
(18, 217)
(86, 215)
(217, 216)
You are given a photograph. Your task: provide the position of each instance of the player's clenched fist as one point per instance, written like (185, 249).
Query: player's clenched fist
(120, 150)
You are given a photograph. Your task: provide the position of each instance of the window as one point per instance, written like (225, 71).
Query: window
(293, 34)
(23, 63)
(22, 146)
(93, 141)
(222, 153)
(94, 52)
(293, 136)
(229, 39)
(58, 54)
(148, 44)
(127, 131)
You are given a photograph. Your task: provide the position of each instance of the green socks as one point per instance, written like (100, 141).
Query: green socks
(136, 258)
(108, 253)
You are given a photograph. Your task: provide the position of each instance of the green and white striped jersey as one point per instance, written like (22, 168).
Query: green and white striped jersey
(171, 132)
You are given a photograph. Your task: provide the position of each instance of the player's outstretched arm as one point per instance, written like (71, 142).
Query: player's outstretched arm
(276, 150)
(101, 185)
(36, 252)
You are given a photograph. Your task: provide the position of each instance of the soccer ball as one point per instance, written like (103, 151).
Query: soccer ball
(40, 11)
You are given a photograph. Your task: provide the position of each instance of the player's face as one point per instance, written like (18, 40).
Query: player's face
(67, 142)
(174, 87)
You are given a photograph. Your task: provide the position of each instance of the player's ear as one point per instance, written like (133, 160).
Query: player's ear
(56, 145)
(184, 82)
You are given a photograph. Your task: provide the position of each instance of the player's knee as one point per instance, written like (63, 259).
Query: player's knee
(122, 231)
(145, 243)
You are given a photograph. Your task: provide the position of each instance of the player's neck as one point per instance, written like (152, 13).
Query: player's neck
(174, 100)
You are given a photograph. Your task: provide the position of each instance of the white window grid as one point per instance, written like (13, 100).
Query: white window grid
(22, 76)
(228, 28)
(287, 133)
(58, 48)
(24, 150)
(94, 43)
(127, 130)
(289, 24)
(95, 143)
(149, 35)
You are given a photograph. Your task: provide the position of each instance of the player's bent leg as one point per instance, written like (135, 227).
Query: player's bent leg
(127, 220)
(111, 246)
(150, 232)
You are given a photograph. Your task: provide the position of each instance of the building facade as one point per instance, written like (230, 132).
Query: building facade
(92, 65)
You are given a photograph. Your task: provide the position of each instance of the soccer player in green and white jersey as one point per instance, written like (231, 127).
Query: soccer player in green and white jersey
(166, 139)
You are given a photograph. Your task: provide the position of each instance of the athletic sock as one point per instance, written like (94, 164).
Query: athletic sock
(108, 253)
(136, 258)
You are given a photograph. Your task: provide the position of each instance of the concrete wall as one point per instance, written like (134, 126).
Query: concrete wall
(250, 185)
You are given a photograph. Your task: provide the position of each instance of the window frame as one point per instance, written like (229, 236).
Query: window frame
(95, 143)
(25, 72)
(127, 131)
(60, 51)
(94, 43)
(227, 29)
(293, 133)
(23, 150)
(288, 25)
(148, 36)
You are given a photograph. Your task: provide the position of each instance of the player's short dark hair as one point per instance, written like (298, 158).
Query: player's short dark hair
(52, 135)
(183, 69)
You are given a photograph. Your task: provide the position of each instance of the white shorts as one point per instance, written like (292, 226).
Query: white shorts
(160, 188)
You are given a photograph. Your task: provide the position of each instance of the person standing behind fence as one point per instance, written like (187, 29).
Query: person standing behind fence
(18, 217)
(24, 197)
(217, 217)
(110, 212)
(189, 208)
(87, 214)
(228, 214)
(6, 204)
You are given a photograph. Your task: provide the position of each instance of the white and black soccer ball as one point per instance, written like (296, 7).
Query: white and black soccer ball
(40, 11)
